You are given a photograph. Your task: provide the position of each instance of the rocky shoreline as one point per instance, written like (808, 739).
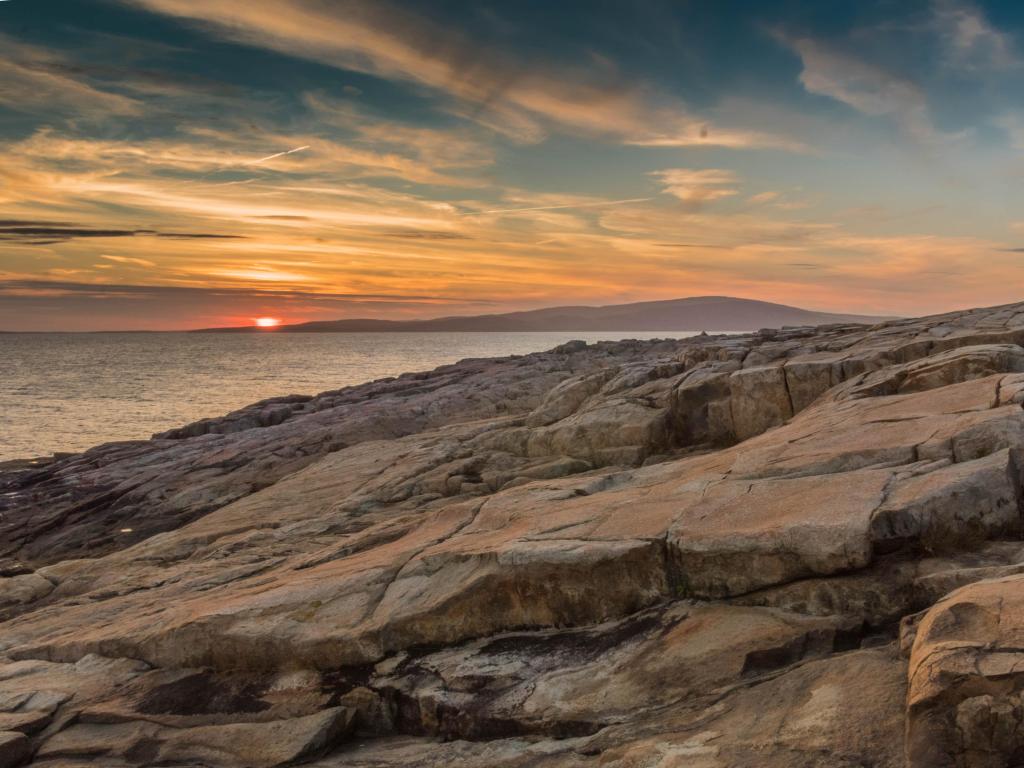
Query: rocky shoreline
(790, 548)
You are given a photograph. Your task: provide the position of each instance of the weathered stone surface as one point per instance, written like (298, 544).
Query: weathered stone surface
(966, 674)
(692, 552)
(759, 399)
(575, 682)
(21, 590)
(260, 745)
(845, 711)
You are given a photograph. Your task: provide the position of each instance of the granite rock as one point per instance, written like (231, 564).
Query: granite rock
(796, 547)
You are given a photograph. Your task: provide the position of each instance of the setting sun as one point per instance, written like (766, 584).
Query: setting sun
(267, 322)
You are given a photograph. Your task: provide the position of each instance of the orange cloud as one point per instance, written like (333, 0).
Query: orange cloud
(697, 186)
(381, 39)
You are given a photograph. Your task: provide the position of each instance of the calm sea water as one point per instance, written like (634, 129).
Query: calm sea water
(68, 392)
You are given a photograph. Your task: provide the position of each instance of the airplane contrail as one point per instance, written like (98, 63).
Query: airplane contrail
(559, 207)
(279, 154)
(243, 165)
(232, 183)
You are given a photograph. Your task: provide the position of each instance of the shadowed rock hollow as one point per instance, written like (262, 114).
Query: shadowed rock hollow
(789, 548)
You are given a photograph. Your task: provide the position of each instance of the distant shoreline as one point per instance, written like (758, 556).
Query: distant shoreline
(723, 314)
(279, 331)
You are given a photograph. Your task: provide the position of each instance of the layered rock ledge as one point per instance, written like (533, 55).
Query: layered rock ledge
(799, 547)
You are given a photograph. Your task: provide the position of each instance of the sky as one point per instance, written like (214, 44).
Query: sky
(191, 163)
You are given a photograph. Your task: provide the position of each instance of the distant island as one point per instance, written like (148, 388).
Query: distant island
(698, 313)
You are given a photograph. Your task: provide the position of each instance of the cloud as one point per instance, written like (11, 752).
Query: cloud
(207, 152)
(440, 148)
(427, 235)
(971, 40)
(516, 97)
(867, 88)
(35, 287)
(564, 206)
(18, 287)
(696, 134)
(130, 260)
(954, 44)
(48, 233)
(697, 186)
(1012, 124)
(34, 79)
(702, 246)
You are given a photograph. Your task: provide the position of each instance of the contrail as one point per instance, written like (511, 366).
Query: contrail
(279, 154)
(232, 183)
(243, 165)
(559, 207)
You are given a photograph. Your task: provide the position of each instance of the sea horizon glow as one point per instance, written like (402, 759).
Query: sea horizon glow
(170, 164)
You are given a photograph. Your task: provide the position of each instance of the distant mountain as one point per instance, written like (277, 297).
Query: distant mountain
(699, 313)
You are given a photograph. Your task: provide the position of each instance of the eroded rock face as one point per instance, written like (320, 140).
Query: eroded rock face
(669, 553)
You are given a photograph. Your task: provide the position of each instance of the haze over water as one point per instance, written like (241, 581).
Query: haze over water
(69, 392)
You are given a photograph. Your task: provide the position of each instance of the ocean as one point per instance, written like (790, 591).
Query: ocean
(65, 392)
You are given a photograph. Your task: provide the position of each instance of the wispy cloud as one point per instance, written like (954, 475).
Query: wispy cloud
(35, 79)
(566, 206)
(99, 290)
(697, 186)
(130, 260)
(866, 87)
(392, 42)
(1012, 124)
(696, 134)
(971, 39)
(47, 233)
(202, 153)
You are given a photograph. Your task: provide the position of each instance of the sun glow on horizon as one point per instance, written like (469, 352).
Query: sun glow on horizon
(266, 322)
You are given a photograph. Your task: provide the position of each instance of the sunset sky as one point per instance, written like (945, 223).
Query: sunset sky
(188, 163)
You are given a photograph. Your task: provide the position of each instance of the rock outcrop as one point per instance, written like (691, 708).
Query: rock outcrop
(799, 547)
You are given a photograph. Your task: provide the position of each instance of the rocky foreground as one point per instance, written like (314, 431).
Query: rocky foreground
(791, 548)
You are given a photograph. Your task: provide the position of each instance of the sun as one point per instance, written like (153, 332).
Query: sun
(267, 322)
